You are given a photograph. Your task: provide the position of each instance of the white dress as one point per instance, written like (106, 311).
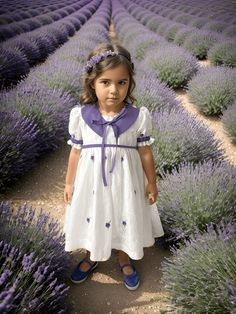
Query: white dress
(101, 218)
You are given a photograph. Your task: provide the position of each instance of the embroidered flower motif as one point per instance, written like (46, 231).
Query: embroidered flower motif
(122, 158)
(88, 219)
(92, 157)
(124, 223)
(108, 224)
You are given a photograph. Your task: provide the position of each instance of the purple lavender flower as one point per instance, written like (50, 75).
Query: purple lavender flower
(96, 59)
(202, 269)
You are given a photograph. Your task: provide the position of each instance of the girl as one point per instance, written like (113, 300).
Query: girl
(110, 188)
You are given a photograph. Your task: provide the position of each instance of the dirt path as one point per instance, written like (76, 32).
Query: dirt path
(213, 123)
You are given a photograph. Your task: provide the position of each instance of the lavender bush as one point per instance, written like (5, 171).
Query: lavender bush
(65, 77)
(154, 23)
(213, 89)
(34, 263)
(13, 66)
(230, 31)
(49, 109)
(199, 42)
(172, 30)
(199, 22)
(215, 26)
(154, 95)
(223, 53)
(229, 122)
(140, 45)
(181, 35)
(195, 195)
(200, 276)
(183, 18)
(19, 148)
(180, 138)
(172, 65)
(27, 47)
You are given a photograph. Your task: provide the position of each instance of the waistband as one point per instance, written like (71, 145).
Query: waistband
(103, 145)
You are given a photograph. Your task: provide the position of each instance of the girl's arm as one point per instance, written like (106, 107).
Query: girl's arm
(148, 163)
(71, 171)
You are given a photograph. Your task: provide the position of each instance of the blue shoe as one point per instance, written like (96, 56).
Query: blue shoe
(131, 281)
(78, 275)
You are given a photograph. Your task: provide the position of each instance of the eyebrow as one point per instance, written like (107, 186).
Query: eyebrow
(105, 79)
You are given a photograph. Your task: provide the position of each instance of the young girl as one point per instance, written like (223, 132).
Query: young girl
(110, 187)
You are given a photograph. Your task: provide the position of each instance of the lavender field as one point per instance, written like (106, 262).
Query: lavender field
(184, 53)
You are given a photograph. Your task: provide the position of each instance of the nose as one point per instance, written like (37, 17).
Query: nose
(114, 89)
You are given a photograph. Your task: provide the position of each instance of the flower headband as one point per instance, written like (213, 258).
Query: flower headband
(97, 58)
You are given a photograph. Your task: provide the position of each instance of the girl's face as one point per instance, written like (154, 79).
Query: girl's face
(111, 87)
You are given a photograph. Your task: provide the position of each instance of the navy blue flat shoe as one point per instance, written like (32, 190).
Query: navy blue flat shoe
(131, 281)
(78, 275)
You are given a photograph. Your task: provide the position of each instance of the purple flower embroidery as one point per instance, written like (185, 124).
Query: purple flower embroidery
(108, 224)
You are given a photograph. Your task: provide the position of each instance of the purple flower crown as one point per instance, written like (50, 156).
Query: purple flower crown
(97, 58)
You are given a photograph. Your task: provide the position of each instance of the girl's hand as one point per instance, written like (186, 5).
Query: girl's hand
(68, 193)
(151, 193)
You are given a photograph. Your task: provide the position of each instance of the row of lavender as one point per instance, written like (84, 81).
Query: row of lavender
(15, 11)
(212, 9)
(196, 193)
(22, 20)
(32, 248)
(212, 90)
(198, 37)
(18, 54)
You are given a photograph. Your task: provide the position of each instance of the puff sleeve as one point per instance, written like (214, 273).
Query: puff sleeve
(145, 128)
(74, 128)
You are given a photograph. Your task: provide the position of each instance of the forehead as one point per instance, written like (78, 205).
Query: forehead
(118, 73)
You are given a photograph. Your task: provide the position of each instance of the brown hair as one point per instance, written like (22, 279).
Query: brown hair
(87, 95)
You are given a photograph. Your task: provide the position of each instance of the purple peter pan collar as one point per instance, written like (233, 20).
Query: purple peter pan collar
(120, 123)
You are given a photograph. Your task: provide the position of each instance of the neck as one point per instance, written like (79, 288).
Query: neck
(108, 110)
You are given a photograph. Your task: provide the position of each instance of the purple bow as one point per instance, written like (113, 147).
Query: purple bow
(116, 132)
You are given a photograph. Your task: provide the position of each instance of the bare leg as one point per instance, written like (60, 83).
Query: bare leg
(123, 258)
(85, 266)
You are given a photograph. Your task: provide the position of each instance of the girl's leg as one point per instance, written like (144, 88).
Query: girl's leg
(85, 266)
(123, 258)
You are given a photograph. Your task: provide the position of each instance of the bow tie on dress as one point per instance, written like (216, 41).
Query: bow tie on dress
(119, 123)
(116, 132)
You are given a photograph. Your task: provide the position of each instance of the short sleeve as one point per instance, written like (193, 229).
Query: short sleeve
(145, 128)
(75, 128)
